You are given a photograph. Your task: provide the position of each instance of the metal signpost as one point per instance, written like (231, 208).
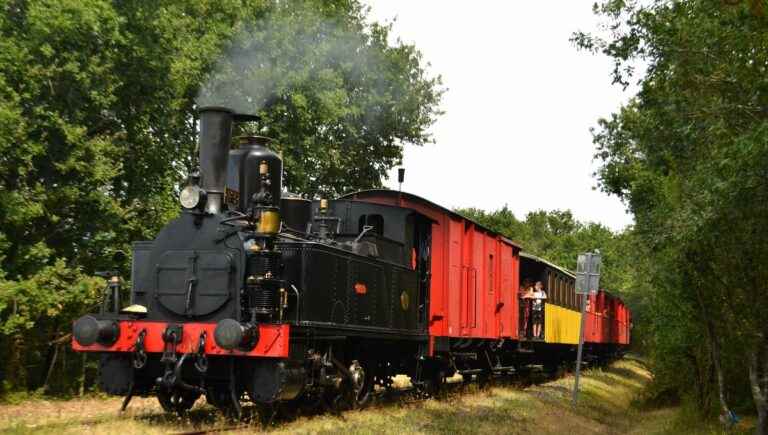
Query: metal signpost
(587, 282)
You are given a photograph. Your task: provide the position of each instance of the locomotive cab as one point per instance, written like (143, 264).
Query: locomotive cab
(391, 234)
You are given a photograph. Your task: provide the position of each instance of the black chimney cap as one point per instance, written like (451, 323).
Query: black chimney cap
(246, 117)
(215, 109)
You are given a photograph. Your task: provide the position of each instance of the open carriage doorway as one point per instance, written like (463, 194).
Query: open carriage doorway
(421, 262)
(531, 271)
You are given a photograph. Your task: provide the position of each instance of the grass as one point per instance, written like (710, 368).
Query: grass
(608, 404)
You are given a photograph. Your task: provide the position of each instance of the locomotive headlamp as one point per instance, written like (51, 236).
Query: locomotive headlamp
(192, 197)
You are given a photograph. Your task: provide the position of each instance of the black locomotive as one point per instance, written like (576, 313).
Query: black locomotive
(253, 291)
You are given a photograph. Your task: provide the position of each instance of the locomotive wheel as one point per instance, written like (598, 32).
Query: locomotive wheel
(484, 380)
(434, 384)
(221, 398)
(363, 393)
(177, 401)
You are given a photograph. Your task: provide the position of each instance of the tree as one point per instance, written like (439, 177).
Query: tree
(339, 101)
(688, 155)
(97, 131)
(557, 236)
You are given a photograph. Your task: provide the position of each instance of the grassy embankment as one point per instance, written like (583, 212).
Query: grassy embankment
(608, 405)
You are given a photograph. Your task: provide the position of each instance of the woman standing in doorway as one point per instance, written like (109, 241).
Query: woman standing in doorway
(537, 308)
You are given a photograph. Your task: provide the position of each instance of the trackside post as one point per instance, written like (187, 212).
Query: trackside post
(587, 282)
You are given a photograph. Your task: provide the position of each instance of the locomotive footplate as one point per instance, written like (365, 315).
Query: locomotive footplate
(273, 341)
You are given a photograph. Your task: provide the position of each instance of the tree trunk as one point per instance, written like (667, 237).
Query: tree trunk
(758, 380)
(17, 371)
(50, 368)
(715, 343)
(82, 377)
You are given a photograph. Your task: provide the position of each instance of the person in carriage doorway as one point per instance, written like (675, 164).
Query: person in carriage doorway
(526, 296)
(537, 309)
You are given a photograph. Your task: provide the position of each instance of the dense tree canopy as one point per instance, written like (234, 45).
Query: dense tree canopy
(689, 155)
(97, 130)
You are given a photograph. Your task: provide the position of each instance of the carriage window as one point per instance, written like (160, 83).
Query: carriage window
(563, 288)
(490, 273)
(554, 294)
(374, 220)
(572, 289)
(563, 292)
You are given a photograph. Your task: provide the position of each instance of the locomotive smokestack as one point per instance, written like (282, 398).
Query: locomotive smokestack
(215, 139)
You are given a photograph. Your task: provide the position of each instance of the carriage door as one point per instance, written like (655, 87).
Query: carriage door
(422, 245)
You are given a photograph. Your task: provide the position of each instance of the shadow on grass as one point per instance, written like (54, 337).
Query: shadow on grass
(447, 416)
(503, 416)
(626, 373)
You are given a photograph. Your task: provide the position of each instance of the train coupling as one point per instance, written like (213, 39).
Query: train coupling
(172, 377)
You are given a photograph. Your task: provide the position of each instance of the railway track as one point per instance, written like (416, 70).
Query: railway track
(254, 418)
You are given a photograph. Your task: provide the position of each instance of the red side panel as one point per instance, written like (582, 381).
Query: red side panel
(508, 311)
(478, 294)
(593, 330)
(273, 340)
(454, 286)
(605, 322)
(623, 325)
(490, 288)
(615, 320)
(468, 294)
(438, 301)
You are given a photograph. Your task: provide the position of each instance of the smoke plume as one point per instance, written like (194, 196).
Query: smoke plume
(291, 47)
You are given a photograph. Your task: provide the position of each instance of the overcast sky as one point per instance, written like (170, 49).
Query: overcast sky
(520, 102)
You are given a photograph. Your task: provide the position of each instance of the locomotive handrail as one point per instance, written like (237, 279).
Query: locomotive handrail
(366, 228)
(298, 299)
(238, 216)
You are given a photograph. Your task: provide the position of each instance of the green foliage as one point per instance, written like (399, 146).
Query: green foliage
(688, 155)
(336, 97)
(557, 236)
(97, 130)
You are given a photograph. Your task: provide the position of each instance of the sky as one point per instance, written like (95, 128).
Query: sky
(519, 104)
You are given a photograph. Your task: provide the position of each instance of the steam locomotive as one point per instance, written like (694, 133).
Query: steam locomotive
(256, 294)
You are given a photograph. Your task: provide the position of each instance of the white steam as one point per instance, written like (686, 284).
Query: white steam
(291, 48)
